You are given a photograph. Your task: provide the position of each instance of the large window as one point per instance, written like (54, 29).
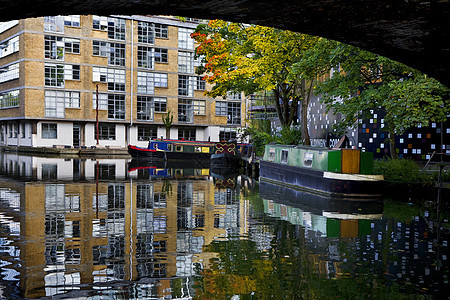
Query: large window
(145, 83)
(161, 55)
(184, 38)
(186, 85)
(160, 79)
(116, 54)
(49, 131)
(114, 26)
(100, 48)
(234, 113)
(54, 24)
(187, 133)
(114, 77)
(9, 99)
(200, 84)
(114, 103)
(116, 29)
(145, 57)
(54, 47)
(57, 101)
(146, 33)
(10, 72)
(161, 31)
(227, 134)
(105, 132)
(146, 133)
(185, 111)
(55, 75)
(145, 108)
(185, 62)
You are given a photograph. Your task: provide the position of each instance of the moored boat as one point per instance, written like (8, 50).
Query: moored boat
(343, 173)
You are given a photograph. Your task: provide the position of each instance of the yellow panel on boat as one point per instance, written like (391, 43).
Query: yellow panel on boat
(205, 171)
(349, 228)
(205, 149)
(351, 160)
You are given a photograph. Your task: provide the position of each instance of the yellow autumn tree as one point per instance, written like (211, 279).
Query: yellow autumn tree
(250, 58)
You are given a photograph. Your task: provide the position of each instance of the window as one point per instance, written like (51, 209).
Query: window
(100, 48)
(9, 99)
(116, 54)
(54, 75)
(160, 104)
(161, 31)
(147, 133)
(145, 83)
(234, 113)
(54, 47)
(234, 96)
(105, 132)
(114, 103)
(146, 33)
(145, 57)
(200, 84)
(160, 79)
(284, 156)
(221, 108)
(54, 24)
(9, 47)
(184, 38)
(49, 131)
(185, 62)
(57, 101)
(161, 55)
(116, 29)
(7, 25)
(72, 72)
(186, 85)
(8, 73)
(114, 77)
(185, 111)
(272, 154)
(100, 23)
(72, 45)
(145, 108)
(116, 107)
(227, 134)
(23, 132)
(199, 107)
(187, 133)
(72, 20)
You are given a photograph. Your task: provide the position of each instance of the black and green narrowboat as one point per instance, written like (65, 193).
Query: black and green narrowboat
(343, 173)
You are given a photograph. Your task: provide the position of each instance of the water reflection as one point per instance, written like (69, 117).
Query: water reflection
(110, 229)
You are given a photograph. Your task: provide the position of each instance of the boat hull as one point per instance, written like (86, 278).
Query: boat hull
(225, 160)
(142, 153)
(323, 183)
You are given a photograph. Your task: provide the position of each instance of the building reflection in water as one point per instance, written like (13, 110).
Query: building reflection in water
(149, 224)
(105, 229)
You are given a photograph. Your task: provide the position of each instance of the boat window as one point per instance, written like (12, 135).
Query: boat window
(284, 156)
(155, 146)
(272, 154)
(169, 147)
(178, 148)
(308, 159)
(198, 149)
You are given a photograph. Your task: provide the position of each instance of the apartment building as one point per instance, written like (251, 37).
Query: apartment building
(60, 74)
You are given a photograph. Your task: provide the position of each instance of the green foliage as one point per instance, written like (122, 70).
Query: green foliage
(290, 136)
(401, 171)
(168, 120)
(259, 139)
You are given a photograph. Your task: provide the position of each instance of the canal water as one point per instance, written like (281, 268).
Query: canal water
(113, 229)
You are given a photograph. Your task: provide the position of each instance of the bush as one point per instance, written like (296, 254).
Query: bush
(401, 171)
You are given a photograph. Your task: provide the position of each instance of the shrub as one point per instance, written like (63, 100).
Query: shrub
(401, 171)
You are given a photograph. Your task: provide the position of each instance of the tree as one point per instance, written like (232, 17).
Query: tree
(250, 58)
(168, 121)
(362, 81)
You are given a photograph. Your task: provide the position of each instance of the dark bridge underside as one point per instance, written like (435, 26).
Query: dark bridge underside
(411, 31)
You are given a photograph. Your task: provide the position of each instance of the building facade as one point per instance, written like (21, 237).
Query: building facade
(56, 71)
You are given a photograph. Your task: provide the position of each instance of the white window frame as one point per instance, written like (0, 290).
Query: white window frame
(145, 83)
(184, 38)
(185, 62)
(10, 72)
(160, 79)
(9, 47)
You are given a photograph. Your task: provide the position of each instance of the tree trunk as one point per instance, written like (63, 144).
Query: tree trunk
(392, 146)
(306, 92)
(167, 133)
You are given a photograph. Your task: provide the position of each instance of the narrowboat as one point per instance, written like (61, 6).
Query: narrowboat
(341, 173)
(226, 154)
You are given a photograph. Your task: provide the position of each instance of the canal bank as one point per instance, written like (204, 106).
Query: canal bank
(69, 151)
